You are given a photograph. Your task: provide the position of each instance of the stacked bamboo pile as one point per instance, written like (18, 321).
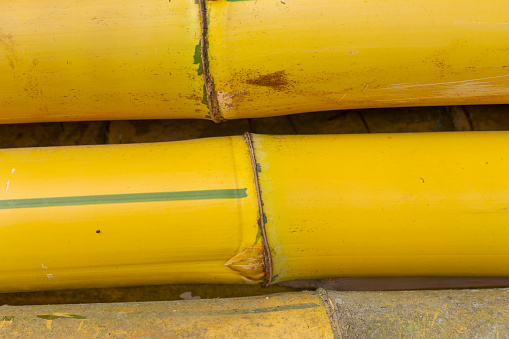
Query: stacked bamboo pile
(254, 209)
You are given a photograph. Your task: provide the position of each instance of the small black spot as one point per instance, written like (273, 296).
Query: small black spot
(98, 231)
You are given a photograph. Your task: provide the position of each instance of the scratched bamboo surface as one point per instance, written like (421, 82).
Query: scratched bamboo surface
(353, 121)
(321, 314)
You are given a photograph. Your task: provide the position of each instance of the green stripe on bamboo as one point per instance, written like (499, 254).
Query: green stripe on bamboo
(124, 198)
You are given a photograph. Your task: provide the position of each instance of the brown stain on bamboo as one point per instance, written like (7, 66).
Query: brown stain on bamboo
(23, 67)
(277, 80)
(7, 42)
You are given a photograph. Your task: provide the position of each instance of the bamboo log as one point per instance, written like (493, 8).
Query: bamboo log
(322, 314)
(145, 59)
(259, 209)
(385, 204)
(126, 215)
(273, 57)
(100, 60)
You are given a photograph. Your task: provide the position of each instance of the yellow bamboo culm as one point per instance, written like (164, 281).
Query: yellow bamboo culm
(291, 315)
(423, 204)
(96, 216)
(276, 57)
(189, 212)
(145, 59)
(100, 60)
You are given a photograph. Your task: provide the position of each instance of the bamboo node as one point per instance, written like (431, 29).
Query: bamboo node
(210, 91)
(262, 217)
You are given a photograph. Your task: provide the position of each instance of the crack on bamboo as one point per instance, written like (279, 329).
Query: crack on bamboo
(210, 91)
(249, 263)
(261, 219)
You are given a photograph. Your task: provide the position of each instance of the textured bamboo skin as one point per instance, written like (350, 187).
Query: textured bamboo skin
(141, 59)
(381, 205)
(99, 60)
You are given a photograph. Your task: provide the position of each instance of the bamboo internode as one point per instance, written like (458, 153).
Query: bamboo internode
(195, 212)
(222, 59)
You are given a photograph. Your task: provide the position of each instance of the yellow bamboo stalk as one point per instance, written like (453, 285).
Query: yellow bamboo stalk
(285, 316)
(96, 216)
(201, 211)
(275, 57)
(371, 205)
(97, 60)
(146, 59)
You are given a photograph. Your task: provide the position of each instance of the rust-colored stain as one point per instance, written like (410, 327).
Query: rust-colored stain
(7, 41)
(232, 100)
(193, 97)
(21, 67)
(277, 80)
